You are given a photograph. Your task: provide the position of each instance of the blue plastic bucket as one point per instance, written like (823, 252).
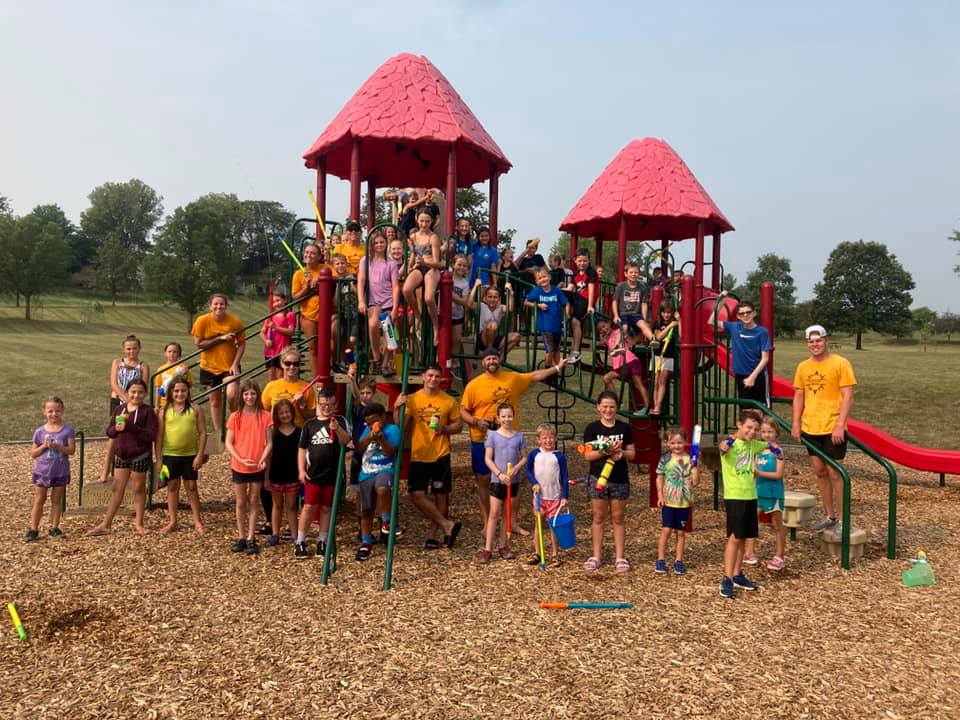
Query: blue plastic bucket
(563, 529)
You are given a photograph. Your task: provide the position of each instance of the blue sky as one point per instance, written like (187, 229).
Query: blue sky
(809, 124)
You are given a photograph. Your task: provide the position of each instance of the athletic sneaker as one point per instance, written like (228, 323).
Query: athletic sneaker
(660, 567)
(272, 540)
(455, 372)
(321, 548)
(265, 530)
(823, 524)
(776, 563)
(56, 533)
(364, 552)
(679, 568)
(239, 545)
(838, 529)
(573, 358)
(385, 532)
(252, 548)
(300, 551)
(743, 583)
(31, 536)
(726, 588)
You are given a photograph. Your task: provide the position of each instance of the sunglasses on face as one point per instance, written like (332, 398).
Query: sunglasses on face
(287, 363)
(745, 312)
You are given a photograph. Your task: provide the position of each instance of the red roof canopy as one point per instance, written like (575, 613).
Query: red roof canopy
(649, 184)
(407, 115)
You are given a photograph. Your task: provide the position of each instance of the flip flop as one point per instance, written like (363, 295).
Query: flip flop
(451, 539)
(431, 544)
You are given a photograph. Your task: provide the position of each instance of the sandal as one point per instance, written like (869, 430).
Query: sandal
(621, 565)
(533, 560)
(507, 554)
(431, 544)
(592, 564)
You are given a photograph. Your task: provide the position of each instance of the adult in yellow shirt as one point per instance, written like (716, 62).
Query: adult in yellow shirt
(303, 287)
(431, 418)
(221, 338)
(353, 249)
(481, 398)
(290, 387)
(822, 398)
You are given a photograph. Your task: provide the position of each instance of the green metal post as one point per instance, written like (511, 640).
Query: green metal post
(395, 490)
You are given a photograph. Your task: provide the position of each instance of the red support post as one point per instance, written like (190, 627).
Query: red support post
(573, 247)
(445, 331)
(694, 297)
(767, 315)
(371, 203)
(322, 187)
(688, 353)
(325, 285)
(450, 217)
(715, 267)
(494, 201)
(355, 180)
(622, 248)
(598, 254)
(664, 266)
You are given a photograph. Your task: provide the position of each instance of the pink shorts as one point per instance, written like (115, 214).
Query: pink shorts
(549, 508)
(318, 494)
(285, 489)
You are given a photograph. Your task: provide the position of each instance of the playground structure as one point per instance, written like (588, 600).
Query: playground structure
(407, 126)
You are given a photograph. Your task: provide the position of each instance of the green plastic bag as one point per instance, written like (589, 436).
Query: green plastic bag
(920, 574)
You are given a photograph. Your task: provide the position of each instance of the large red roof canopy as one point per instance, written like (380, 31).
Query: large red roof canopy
(652, 187)
(407, 115)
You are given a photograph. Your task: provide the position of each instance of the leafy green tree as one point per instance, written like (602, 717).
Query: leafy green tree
(81, 246)
(5, 208)
(33, 257)
(195, 253)
(776, 269)
(947, 323)
(118, 224)
(922, 317)
(261, 223)
(864, 287)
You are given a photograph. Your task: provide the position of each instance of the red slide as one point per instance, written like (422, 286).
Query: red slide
(902, 453)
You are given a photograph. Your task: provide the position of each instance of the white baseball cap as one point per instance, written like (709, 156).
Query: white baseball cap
(815, 330)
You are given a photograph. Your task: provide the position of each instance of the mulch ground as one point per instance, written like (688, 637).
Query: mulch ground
(178, 627)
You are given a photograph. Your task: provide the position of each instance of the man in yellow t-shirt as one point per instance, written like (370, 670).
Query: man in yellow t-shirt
(481, 398)
(290, 387)
(431, 418)
(353, 250)
(220, 337)
(822, 398)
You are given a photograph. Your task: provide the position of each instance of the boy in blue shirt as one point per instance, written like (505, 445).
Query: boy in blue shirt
(750, 347)
(377, 448)
(550, 302)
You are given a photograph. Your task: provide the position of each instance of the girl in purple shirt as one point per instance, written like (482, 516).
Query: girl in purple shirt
(53, 443)
(378, 291)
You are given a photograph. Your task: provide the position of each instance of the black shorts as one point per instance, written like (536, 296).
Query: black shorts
(456, 321)
(824, 443)
(433, 475)
(240, 478)
(551, 341)
(742, 518)
(355, 471)
(579, 306)
(759, 392)
(212, 380)
(499, 490)
(497, 342)
(180, 467)
(140, 464)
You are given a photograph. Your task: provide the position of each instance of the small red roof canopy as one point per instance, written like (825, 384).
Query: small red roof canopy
(407, 115)
(649, 184)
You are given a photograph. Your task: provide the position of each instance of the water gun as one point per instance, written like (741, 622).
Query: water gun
(586, 606)
(695, 446)
(389, 331)
(599, 445)
(164, 475)
(509, 519)
(178, 371)
(435, 423)
(17, 625)
(605, 473)
(122, 419)
(376, 427)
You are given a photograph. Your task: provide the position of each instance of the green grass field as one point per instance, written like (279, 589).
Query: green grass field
(68, 347)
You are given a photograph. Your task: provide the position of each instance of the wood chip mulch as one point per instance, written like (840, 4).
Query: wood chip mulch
(178, 627)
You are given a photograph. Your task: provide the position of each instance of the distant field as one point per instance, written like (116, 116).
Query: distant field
(67, 350)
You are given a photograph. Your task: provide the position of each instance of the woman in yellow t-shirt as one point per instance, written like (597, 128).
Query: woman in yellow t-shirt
(220, 335)
(304, 288)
